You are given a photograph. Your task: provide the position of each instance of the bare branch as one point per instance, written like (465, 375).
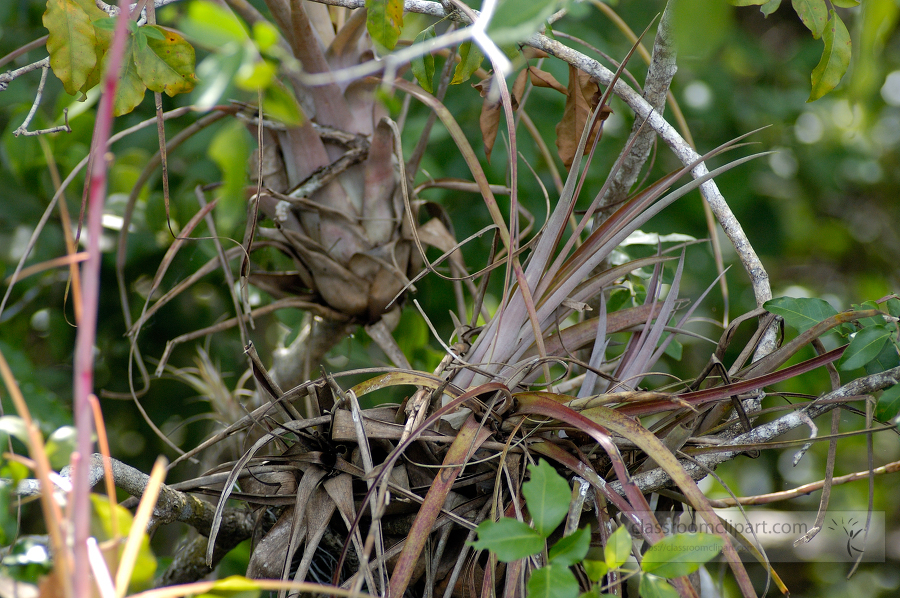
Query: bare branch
(23, 130)
(9, 76)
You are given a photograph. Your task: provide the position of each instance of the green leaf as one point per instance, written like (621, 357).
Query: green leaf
(14, 426)
(265, 35)
(656, 587)
(681, 554)
(888, 403)
(595, 569)
(893, 307)
(886, 359)
(747, 2)
(835, 58)
(515, 20)
(60, 445)
(813, 13)
(70, 43)
(770, 7)
(235, 586)
(213, 26)
(130, 91)
(255, 74)
(102, 528)
(845, 3)
(509, 539)
(800, 313)
(280, 104)
(423, 66)
(618, 548)
(547, 495)
(230, 149)
(384, 20)
(865, 346)
(470, 58)
(553, 581)
(573, 548)
(165, 64)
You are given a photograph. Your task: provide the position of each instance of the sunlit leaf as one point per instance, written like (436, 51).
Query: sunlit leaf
(865, 346)
(384, 20)
(845, 3)
(595, 569)
(470, 58)
(235, 586)
(280, 104)
(835, 58)
(165, 64)
(509, 539)
(553, 581)
(681, 554)
(102, 529)
(547, 495)
(423, 66)
(572, 548)
(59, 446)
(515, 20)
(656, 587)
(618, 548)
(800, 313)
(212, 25)
(14, 426)
(70, 43)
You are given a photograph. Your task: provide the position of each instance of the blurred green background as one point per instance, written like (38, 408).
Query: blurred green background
(822, 212)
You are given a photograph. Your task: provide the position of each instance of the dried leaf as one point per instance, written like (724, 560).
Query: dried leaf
(541, 78)
(489, 121)
(583, 96)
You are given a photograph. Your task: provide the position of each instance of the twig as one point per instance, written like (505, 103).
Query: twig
(23, 129)
(9, 76)
(33, 45)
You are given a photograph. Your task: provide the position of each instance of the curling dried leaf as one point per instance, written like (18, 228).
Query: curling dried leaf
(166, 62)
(583, 95)
(70, 43)
(384, 20)
(813, 13)
(541, 78)
(835, 58)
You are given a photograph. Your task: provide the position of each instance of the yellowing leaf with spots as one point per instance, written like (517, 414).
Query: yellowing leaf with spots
(165, 62)
(384, 20)
(130, 91)
(70, 43)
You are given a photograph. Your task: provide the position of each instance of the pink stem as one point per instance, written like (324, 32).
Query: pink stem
(90, 295)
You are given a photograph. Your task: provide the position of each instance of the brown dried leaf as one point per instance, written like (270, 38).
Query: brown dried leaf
(583, 97)
(541, 78)
(490, 116)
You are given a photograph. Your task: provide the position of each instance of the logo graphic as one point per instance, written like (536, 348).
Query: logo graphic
(852, 534)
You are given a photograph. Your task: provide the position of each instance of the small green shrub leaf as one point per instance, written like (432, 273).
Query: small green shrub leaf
(865, 346)
(166, 63)
(423, 66)
(470, 58)
(681, 554)
(845, 3)
(384, 20)
(516, 20)
(835, 58)
(553, 581)
(618, 548)
(130, 91)
(572, 548)
(656, 587)
(813, 13)
(893, 307)
(800, 313)
(888, 403)
(886, 359)
(595, 569)
(509, 539)
(547, 495)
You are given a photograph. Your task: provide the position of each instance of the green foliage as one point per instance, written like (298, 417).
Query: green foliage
(79, 37)
(102, 529)
(384, 20)
(515, 20)
(547, 497)
(835, 58)
(423, 66)
(801, 313)
(470, 58)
